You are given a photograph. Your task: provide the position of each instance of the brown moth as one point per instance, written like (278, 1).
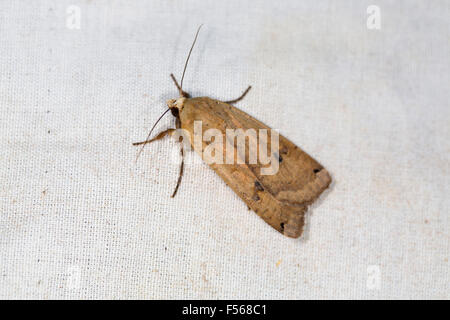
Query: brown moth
(281, 199)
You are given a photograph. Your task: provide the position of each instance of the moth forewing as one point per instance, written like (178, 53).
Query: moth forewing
(280, 198)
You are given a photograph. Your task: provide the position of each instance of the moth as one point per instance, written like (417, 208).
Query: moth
(281, 199)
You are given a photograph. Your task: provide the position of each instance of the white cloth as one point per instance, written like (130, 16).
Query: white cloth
(81, 219)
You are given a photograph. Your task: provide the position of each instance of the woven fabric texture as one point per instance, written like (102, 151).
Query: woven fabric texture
(362, 89)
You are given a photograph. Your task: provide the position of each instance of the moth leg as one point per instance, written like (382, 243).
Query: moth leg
(159, 136)
(181, 172)
(178, 125)
(241, 97)
(182, 93)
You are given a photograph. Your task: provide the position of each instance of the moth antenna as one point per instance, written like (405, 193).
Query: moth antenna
(150, 133)
(187, 60)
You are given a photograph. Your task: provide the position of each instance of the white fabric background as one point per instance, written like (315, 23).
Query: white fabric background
(81, 219)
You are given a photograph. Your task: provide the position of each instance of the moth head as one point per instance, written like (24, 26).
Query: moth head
(176, 105)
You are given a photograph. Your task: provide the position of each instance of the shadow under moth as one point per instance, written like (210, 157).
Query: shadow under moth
(281, 198)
